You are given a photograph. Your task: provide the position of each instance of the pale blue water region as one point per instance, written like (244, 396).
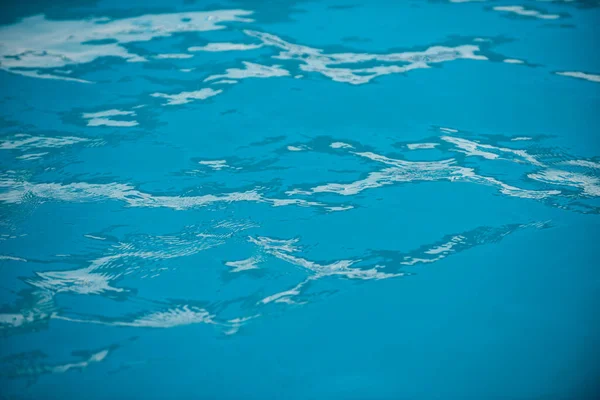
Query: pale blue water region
(300, 200)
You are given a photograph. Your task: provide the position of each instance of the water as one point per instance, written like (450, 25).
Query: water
(300, 200)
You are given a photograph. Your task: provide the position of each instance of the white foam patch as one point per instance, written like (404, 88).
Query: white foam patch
(421, 146)
(102, 118)
(520, 138)
(186, 97)
(581, 75)
(36, 43)
(513, 61)
(524, 12)
(243, 265)
(315, 60)
(214, 47)
(251, 70)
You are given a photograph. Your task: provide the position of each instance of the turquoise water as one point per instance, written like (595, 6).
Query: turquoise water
(300, 200)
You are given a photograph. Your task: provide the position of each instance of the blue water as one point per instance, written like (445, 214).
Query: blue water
(300, 200)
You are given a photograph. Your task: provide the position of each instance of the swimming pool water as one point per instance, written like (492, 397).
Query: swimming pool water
(300, 199)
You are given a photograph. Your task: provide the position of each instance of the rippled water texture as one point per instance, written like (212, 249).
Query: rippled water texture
(300, 200)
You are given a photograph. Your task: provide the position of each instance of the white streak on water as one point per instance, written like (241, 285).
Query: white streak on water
(111, 122)
(186, 97)
(94, 237)
(251, 70)
(581, 75)
(340, 145)
(37, 43)
(314, 60)
(284, 296)
(35, 74)
(583, 163)
(225, 82)
(94, 358)
(173, 56)
(180, 316)
(448, 130)
(79, 281)
(19, 192)
(524, 12)
(11, 258)
(471, 148)
(24, 141)
(284, 249)
(215, 164)
(43, 308)
(102, 118)
(101, 272)
(185, 315)
(243, 265)
(411, 171)
(421, 146)
(214, 47)
(588, 184)
(446, 247)
(32, 156)
(32, 370)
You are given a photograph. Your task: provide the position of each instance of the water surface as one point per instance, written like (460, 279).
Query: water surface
(300, 200)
